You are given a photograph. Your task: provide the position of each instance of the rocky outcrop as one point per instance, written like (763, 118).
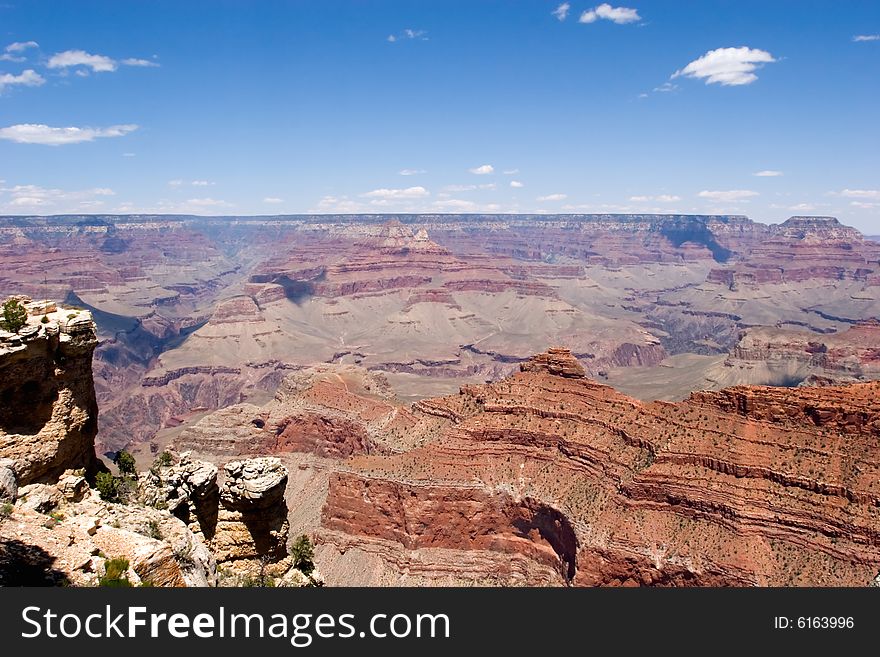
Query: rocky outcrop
(48, 411)
(243, 518)
(64, 534)
(557, 361)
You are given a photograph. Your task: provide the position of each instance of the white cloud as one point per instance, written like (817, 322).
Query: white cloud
(510, 172)
(866, 37)
(134, 61)
(338, 204)
(873, 194)
(863, 205)
(207, 203)
(561, 12)
(468, 188)
(412, 172)
(727, 66)
(34, 198)
(68, 58)
(666, 87)
(728, 195)
(661, 198)
(767, 173)
(20, 46)
(128, 154)
(552, 197)
(516, 184)
(36, 133)
(194, 183)
(273, 200)
(802, 207)
(619, 15)
(27, 78)
(483, 169)
(9, 54)
(456, 205)
(408, 34)
(395, 194)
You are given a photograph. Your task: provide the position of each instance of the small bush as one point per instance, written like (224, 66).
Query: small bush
(45, 319)
(153, 530)
(115, 575)
(14, 315)
(5, 510)
(303, 554)
(108, 486)
(164, 460)
(125, 462)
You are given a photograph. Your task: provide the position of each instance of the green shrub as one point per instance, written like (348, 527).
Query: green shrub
(5, 510)
(115, 574)
(303, 554)
(14, 315)
(125, 462)
(165, 459)
(45, 319)
(108, 486)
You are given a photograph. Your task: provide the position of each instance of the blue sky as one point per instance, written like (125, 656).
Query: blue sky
(493, 106)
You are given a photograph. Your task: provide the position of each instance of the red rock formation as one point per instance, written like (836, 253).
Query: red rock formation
(748, 486)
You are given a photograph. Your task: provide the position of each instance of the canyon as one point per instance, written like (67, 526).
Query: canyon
(197, 313)
(383, 384)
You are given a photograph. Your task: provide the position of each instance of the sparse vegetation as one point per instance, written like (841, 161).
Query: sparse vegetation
(153, 530)
(6, 510)
(14, 315)
(164, 459)
(108, 486)
(45, 319)
(116, 574)
(303, 553)
(125, 462)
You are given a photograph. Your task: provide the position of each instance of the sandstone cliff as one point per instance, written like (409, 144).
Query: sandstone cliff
(549, 477)
(48, 412)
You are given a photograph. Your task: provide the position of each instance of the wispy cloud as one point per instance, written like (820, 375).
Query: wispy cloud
(27, 78)
(11, 52)
(273, 200)
(666, 87)
(34, 198)
(97, 63)
(873, 194)
(619, 15)
(468, 188)
(552, 197)
(408, 34)
(866, 37)
(727, 66)
(134, 61)
(37, 133)
(396, 194)
(767, 173)
(482, 170)
(516, 184)
(661, 198)
(194, 183)
(510, 172)
(728, 195)
(412, 172)
(561, 12)
(68, 58)
(21, 46)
